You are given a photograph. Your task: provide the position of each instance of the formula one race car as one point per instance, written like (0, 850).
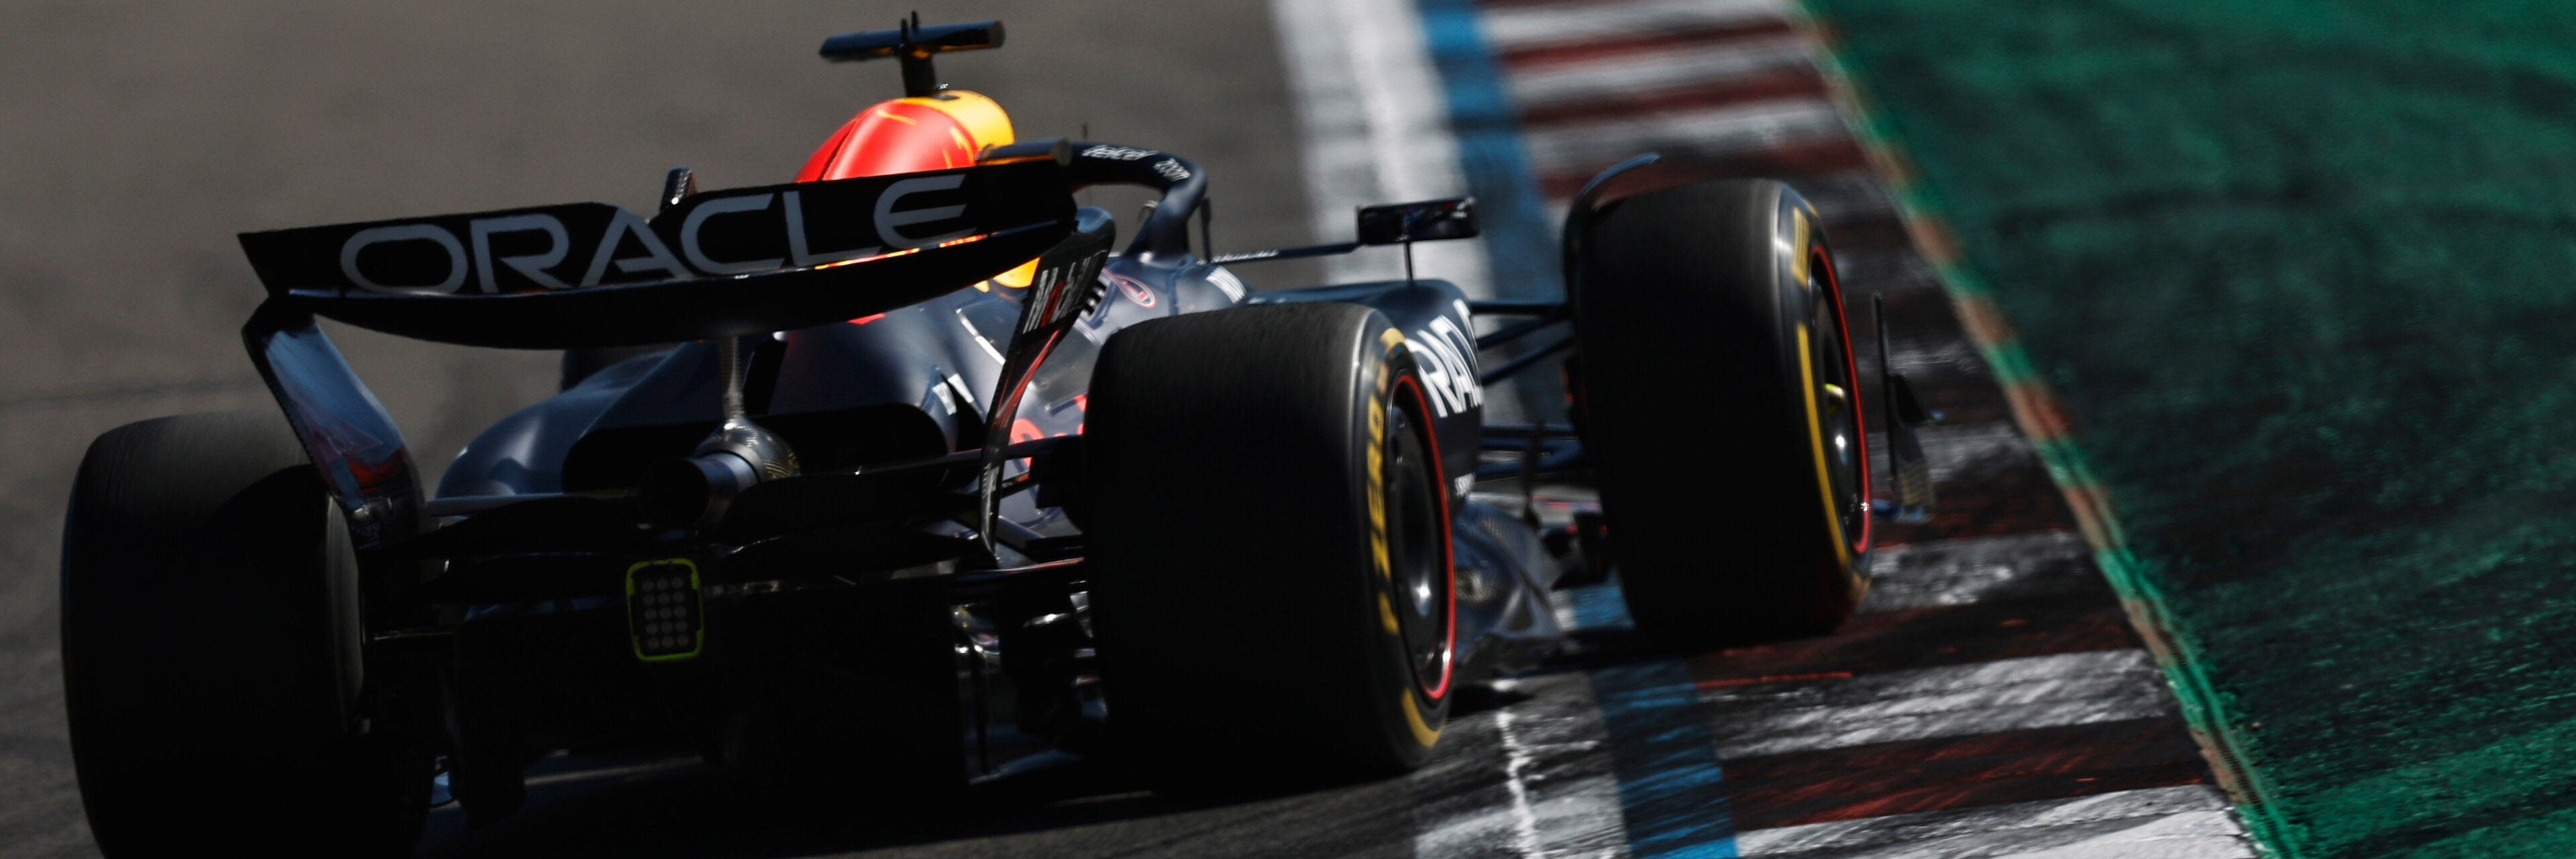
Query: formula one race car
(938, 485)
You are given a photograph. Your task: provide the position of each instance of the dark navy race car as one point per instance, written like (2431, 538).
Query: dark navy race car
(940, 484)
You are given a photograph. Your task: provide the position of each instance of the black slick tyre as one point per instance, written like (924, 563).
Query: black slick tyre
(1715, 391)
(1264, 505)
(211, 651)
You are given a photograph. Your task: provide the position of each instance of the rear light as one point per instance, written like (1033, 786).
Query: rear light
(665, 610)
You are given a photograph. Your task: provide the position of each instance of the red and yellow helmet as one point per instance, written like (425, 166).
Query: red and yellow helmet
(910, 135)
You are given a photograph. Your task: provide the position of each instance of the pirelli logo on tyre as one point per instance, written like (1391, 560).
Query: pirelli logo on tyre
(1389, 340)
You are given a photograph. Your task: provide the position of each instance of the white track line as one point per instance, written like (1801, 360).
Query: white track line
(1956, 449)
(1580, 147)
(1462, 808)
(1931, 703)
(1557, 798)
(1711, 132)
(1978, 569)
(1540, 85)
(2187, 822)
(1512, 28)
(1558, 757)
(1376, 126)
(1517, 763)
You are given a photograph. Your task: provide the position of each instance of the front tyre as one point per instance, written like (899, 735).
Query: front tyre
(1715, 390)
(211, 651)
(1266, 510)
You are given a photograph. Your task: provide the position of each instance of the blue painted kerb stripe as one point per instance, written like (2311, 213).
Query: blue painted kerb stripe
(1671, 790)
(1670, 786)
(1661, 749)
(1520, 244)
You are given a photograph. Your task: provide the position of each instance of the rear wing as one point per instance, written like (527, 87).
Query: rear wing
(715, 264)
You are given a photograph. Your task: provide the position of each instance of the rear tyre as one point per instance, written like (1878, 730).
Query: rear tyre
(1716, 392)
(211, 656)
(1265, 507)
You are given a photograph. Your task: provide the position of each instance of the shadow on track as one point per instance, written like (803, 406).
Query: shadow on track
(676, 806)
(672, 805)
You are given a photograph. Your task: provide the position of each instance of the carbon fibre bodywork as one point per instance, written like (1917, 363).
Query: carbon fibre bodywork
(909, 384)
(854, 542)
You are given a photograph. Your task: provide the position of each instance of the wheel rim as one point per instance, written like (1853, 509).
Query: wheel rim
(1845, 443)
(1423, 586)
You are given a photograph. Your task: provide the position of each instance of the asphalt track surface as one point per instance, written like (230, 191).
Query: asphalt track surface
(139, 137)
(1990, 701)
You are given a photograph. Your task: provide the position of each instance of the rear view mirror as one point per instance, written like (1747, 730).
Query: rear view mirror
(1429, 220)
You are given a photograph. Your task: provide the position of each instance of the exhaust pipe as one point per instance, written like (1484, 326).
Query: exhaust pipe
(694, 492)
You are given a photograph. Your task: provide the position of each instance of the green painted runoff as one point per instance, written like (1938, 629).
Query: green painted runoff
(2306, 274)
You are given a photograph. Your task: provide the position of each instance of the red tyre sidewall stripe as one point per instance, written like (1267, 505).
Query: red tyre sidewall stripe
(1860, 426)
(1448, 564)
